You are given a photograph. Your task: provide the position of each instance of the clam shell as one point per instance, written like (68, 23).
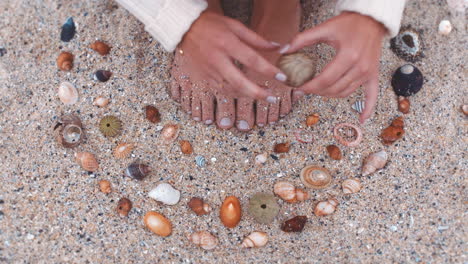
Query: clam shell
(70, 131)
(68, 30)
(352, 185)
(326, 207)
(169, 133)
(200, 161)
(87, 161)
(158, 224)
(204, 239)
(165, 193)
(298, 67)
(359, 106)
(315, 177)
(67, 93)
(123, 150)
(255, 239)
(137, 170)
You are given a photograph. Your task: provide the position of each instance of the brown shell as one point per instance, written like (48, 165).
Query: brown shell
(124, 206)
(123, 150)
(199, 206)
(394, 132)
(169, 133)
(464, 109)
(137, 170)
(152, 114)
(312, 120)
(65, 61)
(230, 212)
(186, 147)
(100, 47)
(105, 186)
(295, 224)
(87, 161)
(315, 177)
(69, 131)
(281, 148)
(334, 152)
(158, 224)
(403, 105)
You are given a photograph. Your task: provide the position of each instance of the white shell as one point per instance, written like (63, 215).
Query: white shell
(261, 158)
(326, 207)
(374, 162)
(101, 101)
(359, 106)
(352, 185)
(200, 161)
(255, 239)
(67, 93)
(445, 27)
(165, 193)
(204, 239)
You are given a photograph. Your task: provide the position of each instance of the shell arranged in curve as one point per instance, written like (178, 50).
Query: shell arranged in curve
(68, 30)
(137, 170)
(100, 47)
(286, 191)
(230, 212)
(157, 223)
(373, 162)
(169, 133)
(255, 239)
(123, 150)
(124, 206)
(199, 206)
(315, 177)
(352, 185)
(295, 224)
(359, 106)
(408, 44)
(407, 80)
(326, 207)
(68, 93)
(65, 61)
(87, 161)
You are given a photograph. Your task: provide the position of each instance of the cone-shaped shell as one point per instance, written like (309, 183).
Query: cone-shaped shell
(100, 47)
(295, 224)
(298, 67)
(326, 207)
(289, 193)
(87, 161)
(204, 239)
(123, 150)
(158, 224)
(67, 93)
(137, 170)
(65, 61)
(68, 30)
(230, 212)
(165, 193)
(315, 177)
(69, 131)
(374, 162)
(352, 185)
(255, 239)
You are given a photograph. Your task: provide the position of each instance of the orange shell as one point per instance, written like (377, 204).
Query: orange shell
(169, 133)
(281, 148)
(124, 206)
(230, 212)
(199, 206)
(315, 177)
(105, 186)
(312, 120)
(123, 150)
(334, 152)
(100, 47)
(87, 161)
(65, 61)
(403, 105)
(158, 224)
(186, 147)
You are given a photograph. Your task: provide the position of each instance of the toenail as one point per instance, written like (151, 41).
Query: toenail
(260, 124)
(243, 125)
(282, 115)
(298, 94)
(225, 121)
(281, 77)
(271, 99)
(272, 123)
(284, 49)
(209, 122)
(189, 112)
(196, 118)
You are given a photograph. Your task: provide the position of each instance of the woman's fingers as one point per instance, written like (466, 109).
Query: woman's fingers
(372, 91)
(250, 37)
(309, 37)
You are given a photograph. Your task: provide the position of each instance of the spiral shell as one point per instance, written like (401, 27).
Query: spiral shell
(298, 67)
(334, 152)
(110, 126)
(357, 134)
(68, 30)
(100, 47)
(315, 177)
(374, 162)
(124, 206)
(199, 206)
(71, 132)
(137, 170)
(204, 239)
(281, 148)
(326, 207)
(359, 106)
(165, 194)
(352, 185)
(157, 224)
(289, 193)
(87, 161)
(68, 93)
(403, 104)
(255, 239)
(65, 61)
(200, 161)
(102, 75)
(169, 133)
(230, 212)
(101, 101)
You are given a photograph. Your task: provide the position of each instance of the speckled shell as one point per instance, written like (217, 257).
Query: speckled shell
(315, 177)
(87, 161)
(298, 67)
(374, 162)
(289, 193)
(137, 170)
(230, 212)
(165, 193)
(407, 80)
(158, 224)
(326, 207)
(352, 185)
(68, 30)
(169, 133)
(408, 44)
(199, 206)
(204, 239)
(123, 150)
(67, 93)
(100, 47)
(255, 239)
(101, 101)
(65, 61)
(69, 131)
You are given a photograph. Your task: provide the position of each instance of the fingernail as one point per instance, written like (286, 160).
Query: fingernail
(275, 44)
(225, 121)
(196, 118)
(243, 125)
(284, 49)
(281, 77)
(271, 99)
(209, 122)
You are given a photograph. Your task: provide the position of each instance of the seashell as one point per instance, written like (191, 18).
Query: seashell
(403, 104)
(315, 177)
(186, 147)
(165, 193)
(261, 158)
(137, 170)
(157, 224)
(255, 239)
(312, 120)
(87, 161)
(334, 152)
(102, 75)
(123, 150)
(289, 193)
(374, 162)
(230, 212)
(152, 114)
(67, 93)
(359, 106)
(263, 207)
(100, 47)
(105, 186)
(124, 206)
(298, 67)
(3, 51)
(68, 30)
(407, 80)
(304, 136)
(357, 134)
(407, 45)
(101, 101)
(394, 132)
(65, 61)
(352, 185)
(445, 27)
(295, 224)
(204, 239)
(169, 133)
(71, 132)
(200, 161)
(326, 207)
(110, 126)
(464, 109)
(281, 148)
(199, 206)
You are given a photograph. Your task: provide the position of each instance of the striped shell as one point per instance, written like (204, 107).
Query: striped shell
(123, 150)
(87, 161)
(351, 185)
(255, 239)
(289, 193)
(204, 239)
(67, 93)
(200, 161)
(315, 177)
(326, 207)
(359, 106)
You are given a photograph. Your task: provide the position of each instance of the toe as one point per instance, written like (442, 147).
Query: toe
(225, 111)
(175, 89)
(196, 105)
(261, 111)
(245, 114)
(185, 96)
(285, 102)
(207, 103)
(273, 112)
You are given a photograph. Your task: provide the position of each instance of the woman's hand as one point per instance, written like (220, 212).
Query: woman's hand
(357, 40)
(214, 42)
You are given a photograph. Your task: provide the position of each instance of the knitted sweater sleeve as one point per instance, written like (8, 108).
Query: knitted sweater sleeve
(166, 20)
(387, 12)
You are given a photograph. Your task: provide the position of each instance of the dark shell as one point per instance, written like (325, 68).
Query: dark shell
(152, 114)
(407, 80)
(407, 45)
(69, 131)
(102, 75)
(137, 170)
(3, 51)
(263, 207)
(110, 126)
(68, 30)
(295, 224)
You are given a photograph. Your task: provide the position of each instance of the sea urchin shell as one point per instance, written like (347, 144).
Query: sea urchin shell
(407, 80)
(407, 44)
(263, 207)
(110, 126)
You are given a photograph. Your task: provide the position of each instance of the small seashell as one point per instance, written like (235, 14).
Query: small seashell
(263, 207)
(357, 134)
(165, 193)
(374, 162)
(312, 120)
(169, 133)
(102, 75)
(403, 104)
(100, 47)
(124, 206)
(152, 114)
(407, 44)
(394, 132)
(352, 185)
(304, 136)
(199, 206)
(298, 67)
(186, 147)
(137, 170)
(87, 161)
(255, 239)
(464, 109)
(445, 27)
(407, 80)
(200, 161)
(110, 126)
(326, 207)
(261, 158)
(68, 30)
(289, 193)
(105, 186)
(204, 239)
(295, 224)
(71, 132)
(101, 101)
(334, 152)
(315, 177)
(3, 51)
(230, 212)
(67, 93)
(281, 148)
(65, 61)
(123, 150)
(359, 106)
(158, 224)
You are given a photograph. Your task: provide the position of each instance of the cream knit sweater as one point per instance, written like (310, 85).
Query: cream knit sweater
(168, 20)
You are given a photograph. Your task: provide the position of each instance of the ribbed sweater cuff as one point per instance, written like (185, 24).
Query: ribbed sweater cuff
(387, 12)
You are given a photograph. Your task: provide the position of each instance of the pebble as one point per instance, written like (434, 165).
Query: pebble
(394, 228)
